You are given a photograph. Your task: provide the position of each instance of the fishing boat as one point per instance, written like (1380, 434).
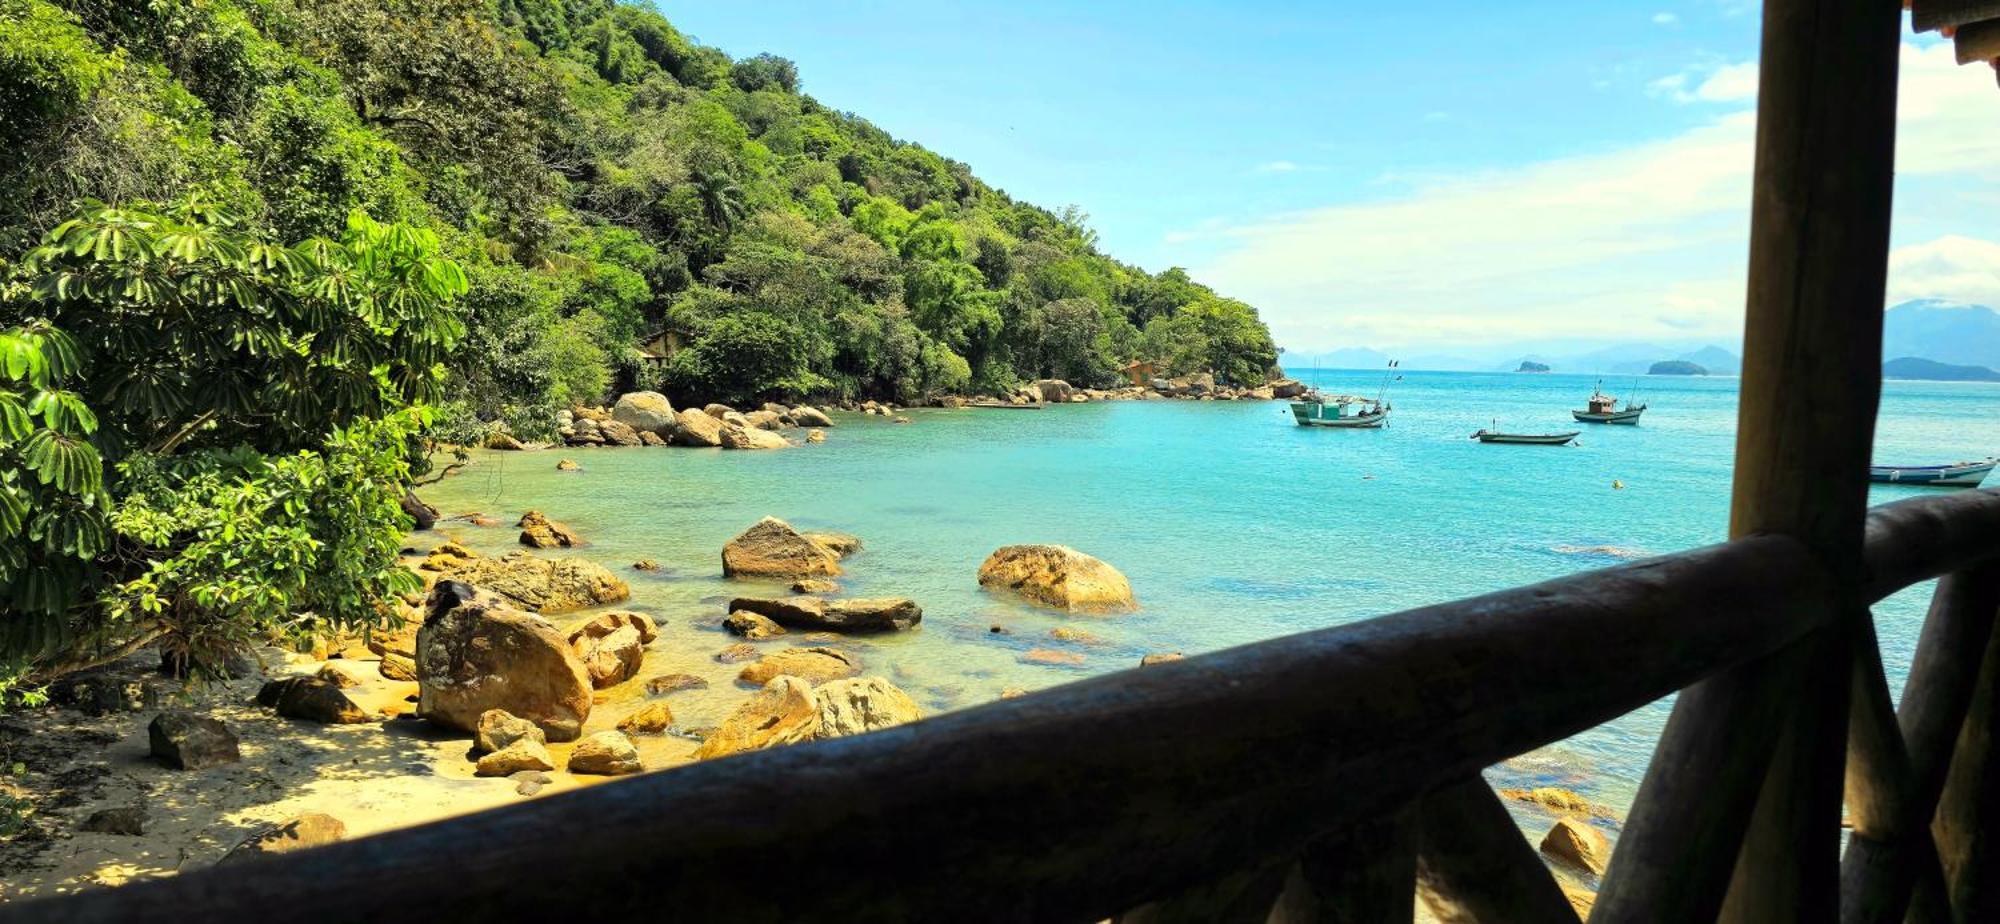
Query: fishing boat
(1604, 409)
(1349, 411)
(1526, 439)
(1955, 475)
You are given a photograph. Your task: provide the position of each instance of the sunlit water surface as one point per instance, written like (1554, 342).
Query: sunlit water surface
(1233, 524)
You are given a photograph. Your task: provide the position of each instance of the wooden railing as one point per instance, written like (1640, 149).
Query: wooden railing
(1324, 775)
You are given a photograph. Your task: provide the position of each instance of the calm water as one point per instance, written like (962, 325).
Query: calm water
(1233, 524)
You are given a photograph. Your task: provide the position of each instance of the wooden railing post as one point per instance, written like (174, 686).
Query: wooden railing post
(1967, 826)
(1819, 243)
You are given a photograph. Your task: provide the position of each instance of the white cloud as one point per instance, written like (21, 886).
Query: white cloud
(1962, 268)
(1728, 83)
(1643, 241)
(1665, 19)
(1277, 166)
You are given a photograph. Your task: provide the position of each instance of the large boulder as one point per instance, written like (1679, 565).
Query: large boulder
(742, 436)
(646, 412)
(1577, 842)
(783, 712)
(186, 741)
(814, 665)
(695, 428)
(613, 646)
(806, 416)
(861, 704)
(545, 585)
(475, 654)
(1055, 391)
(607, 753)
(312, 829)
(772, 548)
(876, 614)
(1057, 576)
(540, 532)
(313, 699)
(765, 420)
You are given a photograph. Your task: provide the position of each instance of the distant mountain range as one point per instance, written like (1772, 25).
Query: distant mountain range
(1945, 333)
(1930, 370)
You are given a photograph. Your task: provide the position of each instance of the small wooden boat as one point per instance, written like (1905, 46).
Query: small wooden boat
(1342, 411)
(1604, 409)
(1526, 439)
(1955, 475)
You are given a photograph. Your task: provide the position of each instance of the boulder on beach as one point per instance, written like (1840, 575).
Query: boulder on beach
(817, 664)
(718, 411)
(618, 434)
(607, 753)
(312, 829)
(872, 614)
(312, 699)
(499, 729)
(523, 755)
(753, 626)
(1287, 388)
(545, 585)
(646, 412)
(185, 740)
(694, 428)
(765, 420)
(747, 436)
(783, 712)
(1577, 842)
(540, 532)
(1055, 391)
(772, 548)
(1057, 576)
(650, 719)
(476, 654)
(612, 646)
(861, 704)
(806, 416)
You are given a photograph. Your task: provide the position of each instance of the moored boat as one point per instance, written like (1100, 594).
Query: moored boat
(1955, 475)
(1604, 409)
(1526, 439)
(1344, 411)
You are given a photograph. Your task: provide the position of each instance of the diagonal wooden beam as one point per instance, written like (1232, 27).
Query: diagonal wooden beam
(1931, 15)
(1474, 865)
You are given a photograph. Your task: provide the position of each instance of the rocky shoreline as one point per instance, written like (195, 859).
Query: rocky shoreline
(519, 673)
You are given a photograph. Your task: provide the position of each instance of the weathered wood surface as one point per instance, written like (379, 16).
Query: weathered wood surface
(1474, 866)
(1365, 873)
(1928, 15)
(1967, 823)
(1811, 380)
(1074, 803)
(1976, 42)
(1927, 537)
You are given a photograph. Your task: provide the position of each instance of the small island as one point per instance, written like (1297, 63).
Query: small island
(1676, 367)
(1529, 365)
(1930, 370)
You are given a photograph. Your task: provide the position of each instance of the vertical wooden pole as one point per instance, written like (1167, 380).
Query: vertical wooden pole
(1969, 807)
(1819, 250)
(1819, 244)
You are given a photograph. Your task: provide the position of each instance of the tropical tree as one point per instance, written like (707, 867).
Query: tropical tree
(721, 199)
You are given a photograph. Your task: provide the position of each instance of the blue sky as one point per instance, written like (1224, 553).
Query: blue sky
(1431, 175)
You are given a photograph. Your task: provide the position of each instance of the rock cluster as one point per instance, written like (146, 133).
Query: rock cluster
(612, 646)
(789, 709)
(540, 532)
(647, 418)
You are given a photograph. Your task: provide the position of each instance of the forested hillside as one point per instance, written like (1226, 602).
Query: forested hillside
(602, 179)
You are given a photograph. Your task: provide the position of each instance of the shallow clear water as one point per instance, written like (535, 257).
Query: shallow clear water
(1233, 524)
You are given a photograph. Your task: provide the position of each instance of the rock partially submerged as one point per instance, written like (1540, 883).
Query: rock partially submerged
(806, 416)
(545, 585)
(748, 435)
(674, 683)
(861, 614)
(752, 626)
(540, 532)
(772, 548)
(817, 664)
(788, 710)
(475, 654)
(1057, 576)
(184, 740)
(695, 428)
(607, 753)
(613, 646)
(650, 719)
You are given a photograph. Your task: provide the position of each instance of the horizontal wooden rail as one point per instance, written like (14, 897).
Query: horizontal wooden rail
(1080, 802)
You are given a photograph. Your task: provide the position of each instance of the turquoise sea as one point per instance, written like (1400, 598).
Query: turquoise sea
(1233, 524)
